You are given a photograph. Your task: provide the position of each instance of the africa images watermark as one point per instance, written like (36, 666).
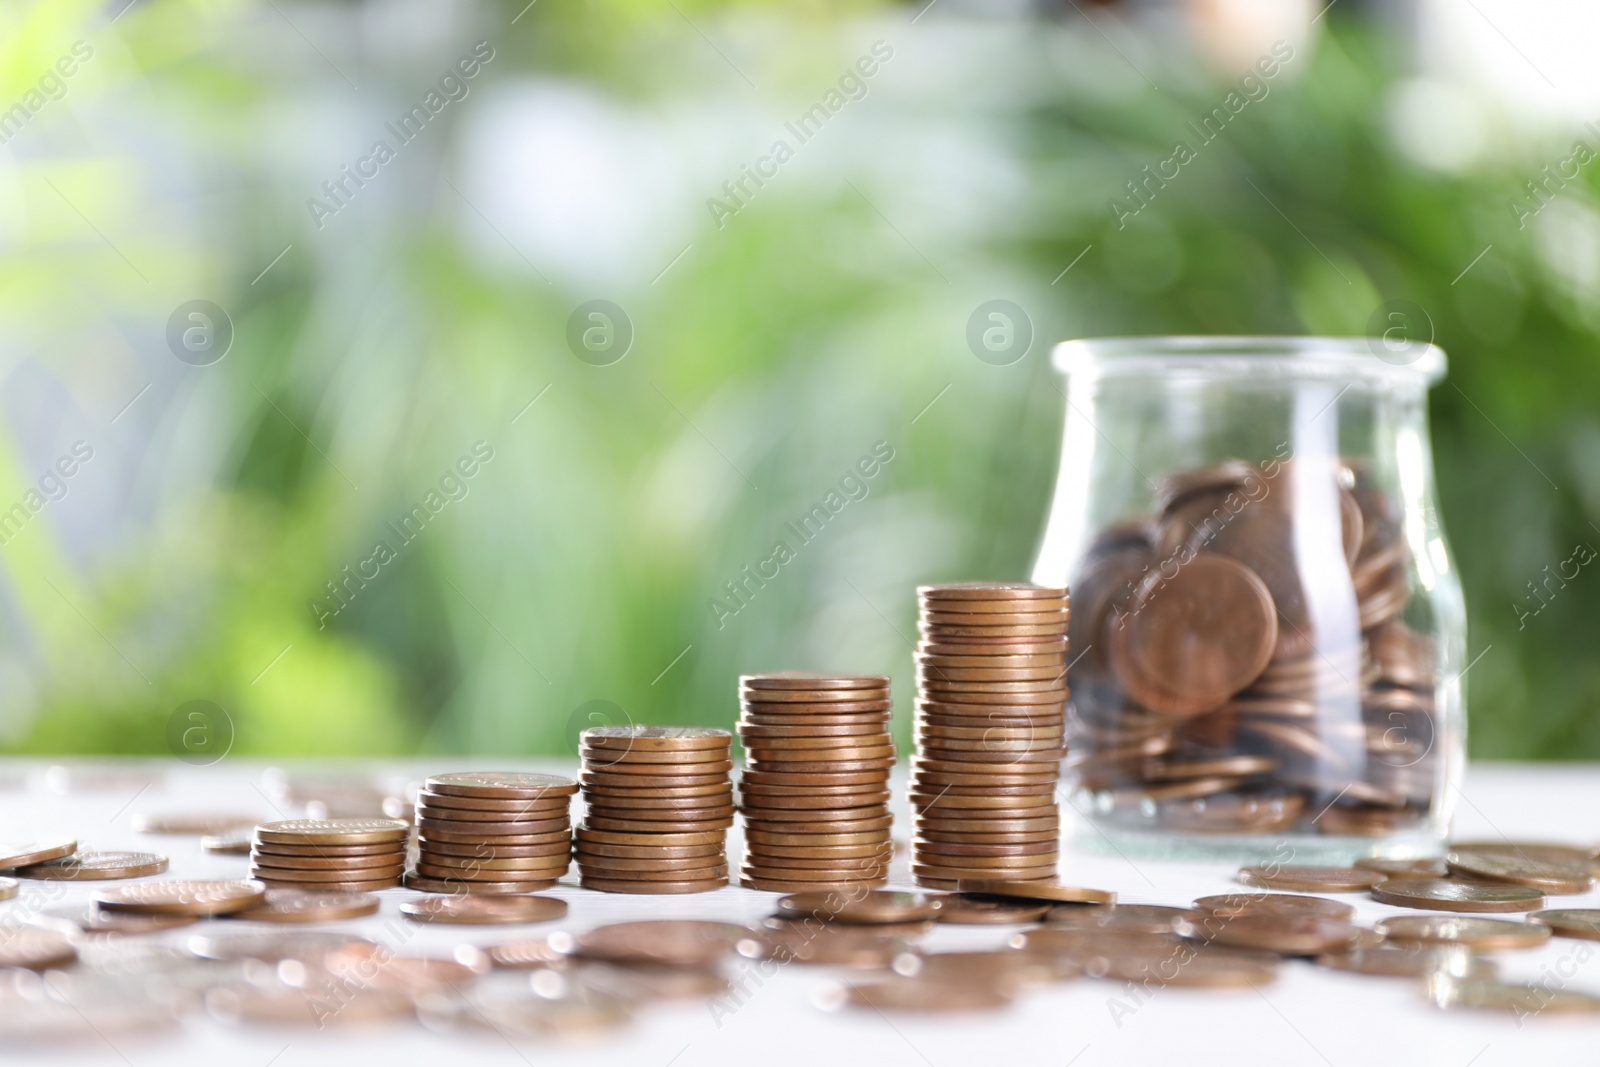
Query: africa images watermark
(1543, 191)
(52, 85)
(1582, 555)
(852, 87)
(853, 486)
(453, 487)
(1253, 87)
(51, 488)
(453, 88)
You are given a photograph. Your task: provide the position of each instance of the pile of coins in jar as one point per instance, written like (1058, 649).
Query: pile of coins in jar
(1245, 665)
(81, 958)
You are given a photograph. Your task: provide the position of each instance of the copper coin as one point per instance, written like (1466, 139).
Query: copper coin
(956, 803)
(558, 844)
(449, 866)
(1050, 647)
(190, 822)
(659, 803)
(634, 826)
(501, 784)
(772, 885)
(585, 835)
(812, 840)
(604, 779)
(922, 765)
(1522, 1001)
(1581, 923)
(1228, 905)
(993, 732)
(1196, 639)
(1120, 918)
(781, 778)
(35, 948)
(1056, 617)
(592, 848)
(97, 866)
(335, 863)
(1309, 879)
(985, 866)
(295, 876)
(810, 876)
(483, 911)
(825, 853)
(1034, 890)
(24, 853)
(947, 848)
(820, 817)
(821, 697)
(1025, 661)
(523, 955)
(362, 886)
(332, 831)
(951, 870)
(1439, 894)
(383, 848)
(674, 942)
(864, 722)
(964, 910)
(662, 863)
(879, 906)
(1555, 878)
(928, 833)
(837, 868)
(658, 761)
(428, 824)
(759, 734)
(926, 995)
(781, 746)
(717, 788)
(1042, 702)
(1422, 868)
(1408, 961)
(853, 946)
(9, 888)
(989, 591)
(637, 738)
(621, 771)
(1304, 935)
(455, 885)
(1541, 852)
(606, 885)
(302, 906)
(232, 843)
(870, 710)
(1483, 935)
(440, 838)
(994, 609)
(184, 897)
(991, 826)
(957, 712)
(546, 807)
(822, 797)
(666, 874)
(811, 680)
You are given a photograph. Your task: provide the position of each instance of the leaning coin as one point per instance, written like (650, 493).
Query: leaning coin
(36, 948)
(297, 906)
(23, 853)
(1037, 890)
(1483, 935)
(1571, 922)
(484, 910)
(1308, 879)
(97, 867)
(1440, 894)
(924, 994)
(185, 897)
(678, 942)
(1566, 879)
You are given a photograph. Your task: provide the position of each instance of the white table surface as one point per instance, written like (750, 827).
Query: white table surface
(1309, 1016)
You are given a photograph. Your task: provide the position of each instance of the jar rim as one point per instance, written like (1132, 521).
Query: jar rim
(1288, 357)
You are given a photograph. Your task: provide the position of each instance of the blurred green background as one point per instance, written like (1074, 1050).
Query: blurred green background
(415, 326)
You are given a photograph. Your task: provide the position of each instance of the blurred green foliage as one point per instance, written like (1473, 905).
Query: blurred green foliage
(824, 318)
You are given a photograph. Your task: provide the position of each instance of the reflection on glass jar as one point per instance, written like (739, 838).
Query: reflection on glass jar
(1267, 635)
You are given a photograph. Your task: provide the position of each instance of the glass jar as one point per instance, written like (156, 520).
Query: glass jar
(1267, 634)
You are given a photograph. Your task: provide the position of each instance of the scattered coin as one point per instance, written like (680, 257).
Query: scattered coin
(1311, 879)
(9, 887)
(35, 948)
(678, 942)
(1303, 935)
(97, 866)
(1409, 961)
(484, 910)
(536, 953)
(1482, 935)
(1232, 904)
(1561, 878)
(1440, 894)
(190, 822)
(925, 994)
(1420, 868)
(871, 907)
(233, 843)
(1571, 922)
(24, 853)
(1127, 918)
(308, 906)
(1522, 1001)
(184, 897)
(963, 910)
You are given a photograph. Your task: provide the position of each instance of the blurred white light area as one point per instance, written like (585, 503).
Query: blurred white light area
(585, 190)
(1567, 235)
(1436, 124)
(1535, 56)
(1235, 34)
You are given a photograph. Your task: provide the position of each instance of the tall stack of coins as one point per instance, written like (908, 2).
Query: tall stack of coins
(1245, 669)
(330, 854)
(991, 694)
(815, 790)
(659, 803)
(491, 832)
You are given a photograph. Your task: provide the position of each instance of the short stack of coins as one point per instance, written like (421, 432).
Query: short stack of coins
(991, 699)
(659, 803)
(347, 855)
(815, 791)
(492, 832)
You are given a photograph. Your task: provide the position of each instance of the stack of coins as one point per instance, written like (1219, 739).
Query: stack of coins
(330, 854)
(659, 803)
(491, 832)
(991, 696)
(815, 790)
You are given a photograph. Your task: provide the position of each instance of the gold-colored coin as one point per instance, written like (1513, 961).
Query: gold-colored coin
(484, 910)
(1440, 894)
(97, 867)
(184, 897)
(332, 831)
(1481, 935)
(308, 906)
